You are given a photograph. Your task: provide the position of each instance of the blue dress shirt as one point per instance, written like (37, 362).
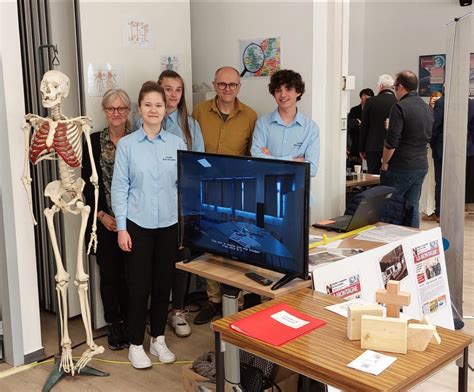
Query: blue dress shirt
(298, 139)
(172, 125)
(144, 184)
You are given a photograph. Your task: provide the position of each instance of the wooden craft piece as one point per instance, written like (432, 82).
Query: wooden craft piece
(419, 335)
(354, 315)
(392, 298)
(384, 334)
(436, 339)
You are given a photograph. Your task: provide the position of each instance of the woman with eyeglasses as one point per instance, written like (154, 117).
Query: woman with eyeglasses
(110, 258)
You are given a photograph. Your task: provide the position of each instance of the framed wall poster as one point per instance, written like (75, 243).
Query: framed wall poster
(431, 73)
(471, 76)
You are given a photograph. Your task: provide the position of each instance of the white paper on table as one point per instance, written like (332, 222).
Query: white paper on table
(386, 233)
(289, 320)
(334, 244)
(372, 362)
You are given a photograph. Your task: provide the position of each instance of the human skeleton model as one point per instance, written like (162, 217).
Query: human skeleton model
(59, 138)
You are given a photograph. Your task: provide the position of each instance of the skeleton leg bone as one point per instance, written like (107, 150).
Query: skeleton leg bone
(62, 282)
(82, 284)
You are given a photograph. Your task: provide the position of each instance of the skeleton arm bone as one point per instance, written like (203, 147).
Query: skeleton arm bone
(26, 178)
(95, 182)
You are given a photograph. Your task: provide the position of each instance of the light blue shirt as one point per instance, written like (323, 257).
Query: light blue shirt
(172, 125)
(144, 184)
(298, 139)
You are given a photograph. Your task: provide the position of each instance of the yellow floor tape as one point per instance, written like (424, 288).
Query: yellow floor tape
(327, 240)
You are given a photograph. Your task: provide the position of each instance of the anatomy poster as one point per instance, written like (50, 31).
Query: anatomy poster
(102, 77)
(138, 34)
(169, 63)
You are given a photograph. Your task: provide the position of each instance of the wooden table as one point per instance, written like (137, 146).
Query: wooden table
(232, 273)
(363, 179)
(324, 353)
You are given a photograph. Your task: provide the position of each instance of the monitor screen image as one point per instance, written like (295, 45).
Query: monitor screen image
(250, 209)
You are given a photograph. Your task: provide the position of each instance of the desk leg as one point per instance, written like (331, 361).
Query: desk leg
(463, 371)
(219, 362)
(230, 305)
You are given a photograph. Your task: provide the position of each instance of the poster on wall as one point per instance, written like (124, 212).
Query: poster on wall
(138, 34)
(431, 74)
(102, 77)
(169, 63)
(471, 76)
(259, 57)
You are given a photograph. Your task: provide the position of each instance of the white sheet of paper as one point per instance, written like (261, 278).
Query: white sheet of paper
(372, 362)
(386, 233)
(289, 320)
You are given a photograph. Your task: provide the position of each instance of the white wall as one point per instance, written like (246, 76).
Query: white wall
(218, 26)
(20, 281)
(308, 45)
(395, 35)
(102, 24)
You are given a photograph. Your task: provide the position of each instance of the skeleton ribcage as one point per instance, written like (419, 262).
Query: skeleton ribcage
(66, 143)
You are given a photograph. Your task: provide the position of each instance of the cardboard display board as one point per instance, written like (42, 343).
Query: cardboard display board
(417, 262)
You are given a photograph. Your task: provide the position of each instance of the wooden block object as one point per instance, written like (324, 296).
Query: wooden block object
(419, 335)
(436, 339)
(354, 315)
(392, 298)
(384, 334)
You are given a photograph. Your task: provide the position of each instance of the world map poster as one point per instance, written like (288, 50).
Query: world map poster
(259, 57)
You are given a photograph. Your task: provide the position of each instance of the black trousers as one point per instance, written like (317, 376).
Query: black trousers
(150, 269)
(374, 161)
(113, 288)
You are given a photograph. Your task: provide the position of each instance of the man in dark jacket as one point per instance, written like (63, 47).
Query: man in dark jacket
(354, 121)
(374, 120)
(404, 162)
(437, 148)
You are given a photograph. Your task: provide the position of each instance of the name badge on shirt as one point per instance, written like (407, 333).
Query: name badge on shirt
(169, 158)
(298, 144)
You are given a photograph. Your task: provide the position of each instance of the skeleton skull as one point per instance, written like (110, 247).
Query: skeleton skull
(54, 87)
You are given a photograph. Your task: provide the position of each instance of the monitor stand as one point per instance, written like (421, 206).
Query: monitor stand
(286, 279)
(191, 256)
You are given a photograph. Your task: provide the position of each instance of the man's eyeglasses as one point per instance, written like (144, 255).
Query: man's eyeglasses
(223, 86)
(120, 110)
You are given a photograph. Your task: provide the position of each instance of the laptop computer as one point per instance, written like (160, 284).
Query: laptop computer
(369, 211)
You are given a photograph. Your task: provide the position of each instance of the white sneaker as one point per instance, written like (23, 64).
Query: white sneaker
(138, 357)
(179, 324)
(159, 348)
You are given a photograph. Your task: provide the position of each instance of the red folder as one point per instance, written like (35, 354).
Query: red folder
(264, 327)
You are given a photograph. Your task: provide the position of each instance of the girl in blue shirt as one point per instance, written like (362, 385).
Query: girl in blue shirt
(144, 200)
(180, 124)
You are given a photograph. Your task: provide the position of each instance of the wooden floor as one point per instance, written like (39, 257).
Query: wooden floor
(167, 378)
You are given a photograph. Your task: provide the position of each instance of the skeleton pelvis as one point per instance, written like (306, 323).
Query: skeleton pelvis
(65, 198)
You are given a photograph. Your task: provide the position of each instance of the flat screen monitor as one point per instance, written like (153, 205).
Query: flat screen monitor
(253, 210)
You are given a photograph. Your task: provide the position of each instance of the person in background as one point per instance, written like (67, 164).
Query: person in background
(354, 121)
(427, 198)
(110, 258)
(180, 124)
(144, 200)
(227, 126)
(437, 147)
(374, 124)
(404, 161)
(286, 133)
